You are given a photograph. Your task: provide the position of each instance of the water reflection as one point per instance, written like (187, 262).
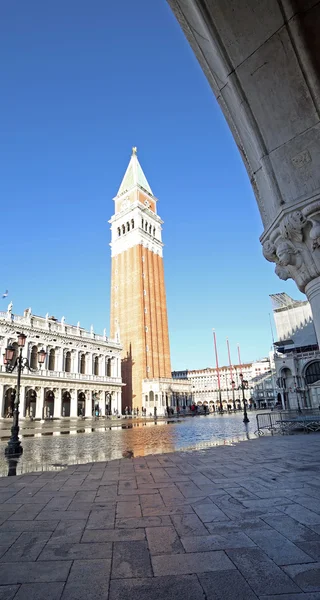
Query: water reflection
(56, 449)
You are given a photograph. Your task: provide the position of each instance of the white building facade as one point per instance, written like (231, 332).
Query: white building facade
(205, 382)
(81, 373)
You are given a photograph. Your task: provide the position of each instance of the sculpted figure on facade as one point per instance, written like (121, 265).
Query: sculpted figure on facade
(9, 309)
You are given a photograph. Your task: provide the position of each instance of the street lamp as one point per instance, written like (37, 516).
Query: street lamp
(233, 384)
(244, 385)
(11, 363)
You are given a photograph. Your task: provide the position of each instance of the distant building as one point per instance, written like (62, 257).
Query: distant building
(81, 374)
(297, 356)
(205, 386)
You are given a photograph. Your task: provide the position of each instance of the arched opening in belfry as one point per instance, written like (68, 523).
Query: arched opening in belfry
(108, 367)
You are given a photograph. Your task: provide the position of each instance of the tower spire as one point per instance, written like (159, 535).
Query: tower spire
(134, 176)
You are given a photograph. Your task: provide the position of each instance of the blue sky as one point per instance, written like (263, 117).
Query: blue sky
(82, 82)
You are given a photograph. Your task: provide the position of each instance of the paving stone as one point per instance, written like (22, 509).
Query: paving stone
(152, 501)
(62, 515)
(189, 489)
(40, 591)
(7, 592)
(301, 514)
(128, 509)
(65, 551)
(261, 572)
(184, 564)
(28, 572)
(131, 559)
(144, 522)
(204, 543)
(301, 596)
(59, 503)
(239, 525)
(291, 529)
(172, 493)
(226, 585)
(7, 538)
(307, 577)
(113, 535)
(27, 515)
(88, 579)
(101, 519)
(27, 547)
(20, 526)
(163, 540)
(181, 509)
(312, 548)
(210, 512)
(69, 531)
(279, 548)
(308, 502)
(157, 588)
(188, 525)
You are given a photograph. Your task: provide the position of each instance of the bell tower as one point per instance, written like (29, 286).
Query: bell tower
(138, 296)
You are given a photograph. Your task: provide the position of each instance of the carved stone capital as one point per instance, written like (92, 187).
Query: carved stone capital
(294, 245)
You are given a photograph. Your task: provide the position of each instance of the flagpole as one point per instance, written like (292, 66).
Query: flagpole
(217, 367)
(232, 382)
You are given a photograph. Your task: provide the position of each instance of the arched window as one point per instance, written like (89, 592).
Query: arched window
(123, 229)
(96, 365)
(108, 367)
(151, 398)
(128, 226)
(52, 359)
(132, 223)
(83, 364)
(68, 362)
(312, 373)
(150, 229)
(142, 223)
(154, 232)
(119, 231)
(146, 226)
(16, 352)
(34, 358)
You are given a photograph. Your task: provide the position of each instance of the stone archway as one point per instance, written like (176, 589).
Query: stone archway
(9, 397)
(31, 403)
(66, 404)
(262, 62)
(48, 408)
(81, 410)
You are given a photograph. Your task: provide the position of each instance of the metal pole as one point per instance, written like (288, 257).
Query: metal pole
(217, 367)
(232, 384)
(14, 447)
(245, 415)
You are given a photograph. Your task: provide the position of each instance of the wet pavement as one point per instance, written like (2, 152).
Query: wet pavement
(228, 522)
(48, 446)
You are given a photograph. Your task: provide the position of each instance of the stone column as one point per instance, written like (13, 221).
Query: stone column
(22, 405)
(88, 408)
(40, 403)
(57, 409)
(74, 403)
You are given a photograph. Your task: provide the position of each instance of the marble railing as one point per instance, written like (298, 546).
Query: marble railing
(46, 374)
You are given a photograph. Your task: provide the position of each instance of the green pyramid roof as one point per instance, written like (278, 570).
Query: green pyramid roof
(133, 176)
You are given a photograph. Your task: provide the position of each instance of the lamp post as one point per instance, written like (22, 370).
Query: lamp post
(11, 363)
(244, 385)
(233, 384)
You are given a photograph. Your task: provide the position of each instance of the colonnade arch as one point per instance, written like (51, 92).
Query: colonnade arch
(262, 62)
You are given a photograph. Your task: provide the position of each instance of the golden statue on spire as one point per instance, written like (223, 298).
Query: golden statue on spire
(134, 150)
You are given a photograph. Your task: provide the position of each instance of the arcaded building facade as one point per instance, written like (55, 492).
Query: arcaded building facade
(81, 373)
